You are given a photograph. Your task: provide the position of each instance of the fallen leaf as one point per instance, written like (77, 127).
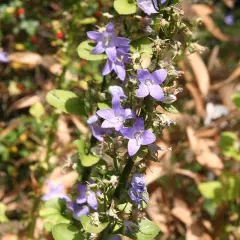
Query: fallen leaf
(204, 155)
(200, 72)
(24, 102)
(26, 58)
(63, 131)
(183, 214)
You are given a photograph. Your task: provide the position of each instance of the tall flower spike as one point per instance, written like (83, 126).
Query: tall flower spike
(137, 136)
(115, 117)
(147, 6)
(149, 84)
(107, 42)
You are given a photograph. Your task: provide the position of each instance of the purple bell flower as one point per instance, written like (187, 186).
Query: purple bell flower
(4, 57)
(56, 191)
(115, 117)
(229, 19)
(118, 66)
(147, 6)
(107, 42)
(96, 129)
(87, 196)
(86, 199)
(137, 136)
(149, 84)
(78, 210)
(138, 191)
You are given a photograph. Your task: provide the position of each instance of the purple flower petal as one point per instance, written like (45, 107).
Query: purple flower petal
(121, 42)
(106, 113)
(159, 76)
(129, 113)
(143, 75)
(112, 53)
(147, 6)
(110, 28)
(82, 192)
(80, 211)
(98, 49)
(143, 91)
(4, 57)
(128, 132)
(117, 91)
(133, 147)
(148, 137)
(108, 124)
(92, 200)
(156, 92)
(92, 119)
(139, 124)
(107, 68)
(96, 36)
(120, 70)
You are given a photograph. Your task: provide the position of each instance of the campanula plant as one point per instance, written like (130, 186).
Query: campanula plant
(138, 74)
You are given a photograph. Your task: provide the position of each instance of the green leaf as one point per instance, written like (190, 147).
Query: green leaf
(84, 52)
(236, 99)
(148, 230)
(3, 217)
(37, 110)
(142, 46)
(87, 160)
(124, 7)
(170, 108)
(91, 228)
(53, 213)
(228, 144)
(65, 101)
(64, 231)
(125, 207)
(103, 106)
(210, 190)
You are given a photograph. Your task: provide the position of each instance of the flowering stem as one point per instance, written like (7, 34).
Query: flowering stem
(124, 177)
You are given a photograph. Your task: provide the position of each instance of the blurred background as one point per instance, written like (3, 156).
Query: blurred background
(195, 187)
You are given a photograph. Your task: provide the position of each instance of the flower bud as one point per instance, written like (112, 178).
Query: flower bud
(169, 99)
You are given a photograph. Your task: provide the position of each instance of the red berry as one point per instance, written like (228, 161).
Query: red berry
(60, 35)
(20, 87)
(98, 14)
(21, 11)
(33, 39)
(83, 63)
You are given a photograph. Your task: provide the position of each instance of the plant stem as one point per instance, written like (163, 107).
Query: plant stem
(124, 177)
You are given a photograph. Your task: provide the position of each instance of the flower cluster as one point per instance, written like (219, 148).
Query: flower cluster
(116, 48)
(138, 191)
(86, 200)
(115, 117)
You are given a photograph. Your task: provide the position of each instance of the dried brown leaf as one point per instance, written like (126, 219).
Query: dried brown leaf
(26, 101)
(204, 155)
(26, 58)
(63, 131)
(200, 72)
(183, 214)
